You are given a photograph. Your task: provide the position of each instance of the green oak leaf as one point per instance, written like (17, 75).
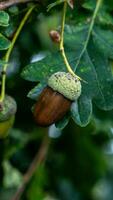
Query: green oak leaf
(103, 40)
(42, 69)
(4, 42)
(34, 93)
(104, 16)
(4, 18)
(63, 122)
(81, 109)
(90, 5)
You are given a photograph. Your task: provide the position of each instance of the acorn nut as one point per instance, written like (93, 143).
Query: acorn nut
(7, 115)
(55, 100)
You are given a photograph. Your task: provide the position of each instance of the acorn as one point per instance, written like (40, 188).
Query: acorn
(56, 98)
(7, 115)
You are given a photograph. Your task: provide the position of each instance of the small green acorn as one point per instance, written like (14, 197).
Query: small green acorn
(55, 100)
(7, 115)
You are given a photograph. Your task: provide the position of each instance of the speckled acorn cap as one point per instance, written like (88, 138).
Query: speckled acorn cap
(66, 84)
(8, 108)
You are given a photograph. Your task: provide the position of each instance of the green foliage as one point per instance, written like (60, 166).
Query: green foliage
(79, 161)
(63, 122)
(4, 18)
(103, 16)
(93, 66)
(41, 70)
(34, 93)
(12, 176)
(4, 43)
(4, 21)
(81, 111)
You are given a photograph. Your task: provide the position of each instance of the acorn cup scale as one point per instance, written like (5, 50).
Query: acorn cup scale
(56, 99)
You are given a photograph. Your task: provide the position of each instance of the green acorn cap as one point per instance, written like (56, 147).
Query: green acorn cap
(66, 84)
(8, 108)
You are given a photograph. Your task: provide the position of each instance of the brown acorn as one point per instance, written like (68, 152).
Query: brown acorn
(56, 99)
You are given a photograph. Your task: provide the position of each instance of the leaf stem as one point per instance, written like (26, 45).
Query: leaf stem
(89, 31)
(8, 53)
(62, 41)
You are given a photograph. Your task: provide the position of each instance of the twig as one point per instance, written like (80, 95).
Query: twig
(5, 4)
(69, 69)
(62, 41)
(38, 160)
(9, 51)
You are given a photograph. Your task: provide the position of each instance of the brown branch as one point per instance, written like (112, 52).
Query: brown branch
(38, 160)
(5, 4)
